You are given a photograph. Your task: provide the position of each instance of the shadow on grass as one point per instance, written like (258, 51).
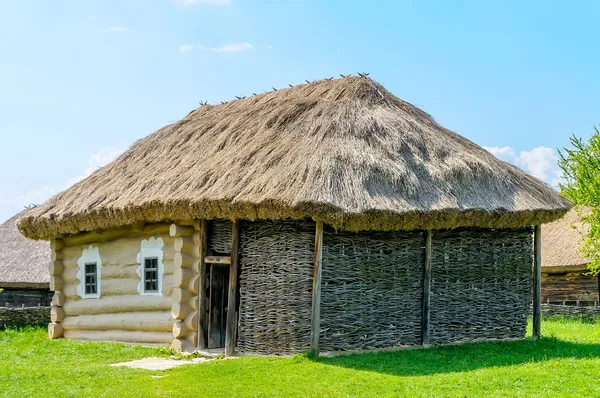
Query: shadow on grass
(463, 358)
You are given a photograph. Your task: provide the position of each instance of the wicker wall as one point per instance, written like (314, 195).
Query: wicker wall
(480, 281)
(372, 287)
(219, 237)
(371, 290)
(276, 260)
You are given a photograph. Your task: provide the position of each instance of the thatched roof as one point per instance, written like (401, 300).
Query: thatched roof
(345, 151)
(23, 262)
(562, 241)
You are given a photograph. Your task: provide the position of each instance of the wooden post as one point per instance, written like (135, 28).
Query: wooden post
(315, 320)
(426, 290)
(537, 282)
(232, 300)
(202, 318)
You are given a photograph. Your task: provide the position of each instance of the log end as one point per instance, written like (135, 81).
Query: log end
(183, 345)
(55, 330)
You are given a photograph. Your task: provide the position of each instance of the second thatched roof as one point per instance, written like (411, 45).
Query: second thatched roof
(345, 151)
(562, 241)
(23, 262)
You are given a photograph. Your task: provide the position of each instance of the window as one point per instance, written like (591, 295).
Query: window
(91, 278)
(151, 268)
(150, 275)
(89, 273)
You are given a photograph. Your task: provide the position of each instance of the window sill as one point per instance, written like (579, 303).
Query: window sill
(90, 296)
(151, 294)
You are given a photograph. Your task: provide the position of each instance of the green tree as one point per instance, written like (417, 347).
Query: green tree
(581, 170)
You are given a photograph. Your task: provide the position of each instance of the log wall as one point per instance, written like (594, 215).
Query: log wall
(480, 284)
(121, 313)
(372, 289)
(569, 287)
(28, 297)
(276, 260)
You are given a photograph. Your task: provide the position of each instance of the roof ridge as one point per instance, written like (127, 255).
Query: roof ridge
(363, 75)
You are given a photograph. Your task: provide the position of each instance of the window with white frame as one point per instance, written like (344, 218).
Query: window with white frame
(150, 275)
(151, 268)
(89, 273)
(91, 278)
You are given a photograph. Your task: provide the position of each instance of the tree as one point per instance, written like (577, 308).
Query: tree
(581, 170)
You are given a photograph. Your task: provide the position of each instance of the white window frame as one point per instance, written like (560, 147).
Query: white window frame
(150, 248)
(89, 255)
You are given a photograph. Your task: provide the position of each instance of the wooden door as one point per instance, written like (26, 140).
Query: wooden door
(217, 305)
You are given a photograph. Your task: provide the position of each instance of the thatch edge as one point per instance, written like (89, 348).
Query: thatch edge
(46, 228)
(24, 285)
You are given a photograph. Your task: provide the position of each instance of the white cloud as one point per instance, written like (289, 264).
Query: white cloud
(504, 153)
(186, 48)
(541, 162)
(36, 196)
(227, 48)
(117, 29)
(96, 161)
(9, 205)
(188, 3)
(269, 46)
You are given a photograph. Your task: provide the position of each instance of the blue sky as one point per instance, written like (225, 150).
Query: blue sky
(81, 81)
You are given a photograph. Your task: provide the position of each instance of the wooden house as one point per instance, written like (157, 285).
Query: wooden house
(24, 277)
(565, 277)
(328, 216)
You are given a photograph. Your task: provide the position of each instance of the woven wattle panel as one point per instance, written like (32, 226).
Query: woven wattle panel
(371, 290)
(480, 281)
(276, 259)
(219, 236)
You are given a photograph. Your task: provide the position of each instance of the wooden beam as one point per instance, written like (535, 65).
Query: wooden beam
(110, 234)
(426, 290)
(202, 316)
(315, 320)
(177, 231)
(217, 259)
(537, 282)
(230, 332)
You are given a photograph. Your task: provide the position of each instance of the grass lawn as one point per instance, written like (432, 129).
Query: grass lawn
(565, 363)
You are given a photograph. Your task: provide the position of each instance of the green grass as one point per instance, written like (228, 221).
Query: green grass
(565, 363)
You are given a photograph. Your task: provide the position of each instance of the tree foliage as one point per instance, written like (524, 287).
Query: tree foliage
(581, 170)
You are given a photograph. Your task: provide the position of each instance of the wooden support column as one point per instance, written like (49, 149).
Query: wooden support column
(537, 282)
(426, 290)
(202, 316)
(315, 320)
(230, 332)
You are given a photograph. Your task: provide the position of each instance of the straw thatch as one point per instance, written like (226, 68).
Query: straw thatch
(562, 241)
(345, 151)
(23, 262)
